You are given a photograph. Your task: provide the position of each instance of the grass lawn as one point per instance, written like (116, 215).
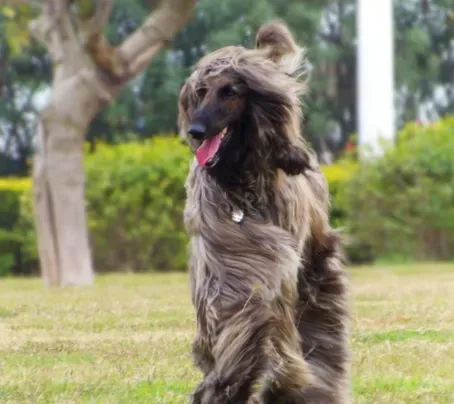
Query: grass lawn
(127, 340)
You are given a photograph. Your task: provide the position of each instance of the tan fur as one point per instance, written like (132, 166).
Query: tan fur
(270, 293)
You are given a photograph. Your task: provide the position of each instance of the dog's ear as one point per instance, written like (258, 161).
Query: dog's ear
(276, 38)
(293, 160)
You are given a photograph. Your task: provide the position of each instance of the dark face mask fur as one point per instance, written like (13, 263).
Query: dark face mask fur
(267, 283)
(240, 110)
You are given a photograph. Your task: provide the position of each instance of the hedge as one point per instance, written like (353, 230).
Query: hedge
(357, 251)
(11, 242)
(402, 202)
(336, 175)
(134, 197)
(399, 204)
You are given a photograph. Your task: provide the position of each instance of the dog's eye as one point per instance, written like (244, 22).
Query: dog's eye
(201, 92)
(228, 91)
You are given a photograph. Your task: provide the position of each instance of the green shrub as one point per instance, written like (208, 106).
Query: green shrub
(338, 175)
(135, 198)
(11, 189)
(25, 229)
(11, 242)
(402, 203)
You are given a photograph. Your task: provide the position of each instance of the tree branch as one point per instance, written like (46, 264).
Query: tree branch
(100, 18)
(136, 52)
(92, 20)
(44, 27)
(155, 33)
(54, 29)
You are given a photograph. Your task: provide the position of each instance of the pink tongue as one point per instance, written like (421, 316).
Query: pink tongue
(208, 149)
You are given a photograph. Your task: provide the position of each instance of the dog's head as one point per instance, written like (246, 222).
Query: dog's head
(243, 105)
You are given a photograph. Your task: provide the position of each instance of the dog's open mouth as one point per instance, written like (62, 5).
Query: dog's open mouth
(208, 152)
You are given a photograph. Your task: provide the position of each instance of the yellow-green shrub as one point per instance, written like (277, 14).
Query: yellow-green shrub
(336, 175)
(135, 199)
(11, 243)
(403, 202)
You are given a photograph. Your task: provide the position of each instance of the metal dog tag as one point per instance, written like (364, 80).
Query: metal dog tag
(237, 216)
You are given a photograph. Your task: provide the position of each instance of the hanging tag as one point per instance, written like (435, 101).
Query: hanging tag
(237, 216)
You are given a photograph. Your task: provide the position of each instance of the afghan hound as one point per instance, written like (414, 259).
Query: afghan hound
(266, 269)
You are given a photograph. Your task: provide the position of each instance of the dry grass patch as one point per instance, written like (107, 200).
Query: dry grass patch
(128, 339)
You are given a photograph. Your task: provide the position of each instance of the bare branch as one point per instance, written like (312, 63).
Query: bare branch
(55, 30)
(141, 62)
(92, 20)
(57, 8)
(136, 52)
(50, 18)
(43, 28)
(155, 33)
(101, 17)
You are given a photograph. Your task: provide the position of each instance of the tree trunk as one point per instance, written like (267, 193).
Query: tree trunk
(58, 174)
(88, 72)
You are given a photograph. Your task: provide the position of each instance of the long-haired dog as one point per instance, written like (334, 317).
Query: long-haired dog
(265, 266)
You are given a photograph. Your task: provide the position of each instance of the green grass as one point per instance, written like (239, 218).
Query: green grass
(127, 340)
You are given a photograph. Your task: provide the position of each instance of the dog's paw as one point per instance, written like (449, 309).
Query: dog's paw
(207, 393)
(197, 397)
(214, 393)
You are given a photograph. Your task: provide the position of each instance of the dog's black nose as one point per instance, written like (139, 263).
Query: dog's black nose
(197, 130)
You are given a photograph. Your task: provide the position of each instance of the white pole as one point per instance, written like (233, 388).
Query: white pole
(375, 72)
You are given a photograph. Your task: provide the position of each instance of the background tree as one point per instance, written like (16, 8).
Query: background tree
(424, 59)
(424, 63)
(24, 71)
(88, 72)
(147, 103)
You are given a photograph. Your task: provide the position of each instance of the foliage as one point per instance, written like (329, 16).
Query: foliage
(397, 204)
(6, 262)
(24, 69)
(11, 243)
(148, 105)
(338, 176)
(135, 197)
(424, 65)
(402, 202)
(16, 21)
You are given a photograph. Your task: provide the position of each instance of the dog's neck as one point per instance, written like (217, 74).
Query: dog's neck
(249, 189)
(209, 201)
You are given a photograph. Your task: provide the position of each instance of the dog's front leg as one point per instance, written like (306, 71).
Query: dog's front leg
(204, 360)
(240, 353)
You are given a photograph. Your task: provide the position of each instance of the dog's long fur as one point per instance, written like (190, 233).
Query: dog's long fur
(270, 292)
